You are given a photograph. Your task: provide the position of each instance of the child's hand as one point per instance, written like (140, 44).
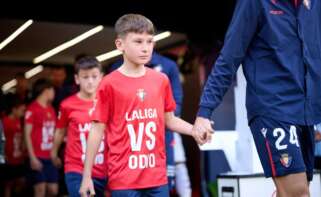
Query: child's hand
(35, 164)
(202, 130)
(56, 161)
(87, 187)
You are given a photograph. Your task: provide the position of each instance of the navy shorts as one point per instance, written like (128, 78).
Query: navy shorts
(283, 148)
(161, 191)
(48, 174)
(15, 171)
(73, 182)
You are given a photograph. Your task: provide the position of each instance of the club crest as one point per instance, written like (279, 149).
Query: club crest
(141, 94)
(286, 160)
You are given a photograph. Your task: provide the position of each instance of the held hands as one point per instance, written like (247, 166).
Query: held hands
(202, 130)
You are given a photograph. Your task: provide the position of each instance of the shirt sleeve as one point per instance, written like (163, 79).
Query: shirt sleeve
(29, 116)
(170, 104)
(101, 106)
(237, 40)
(62, 118)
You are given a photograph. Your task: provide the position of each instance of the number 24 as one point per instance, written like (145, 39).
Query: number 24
(280, 134)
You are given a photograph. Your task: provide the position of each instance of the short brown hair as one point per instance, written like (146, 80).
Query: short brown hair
(40, 86)
(87, 62)
(133, 23)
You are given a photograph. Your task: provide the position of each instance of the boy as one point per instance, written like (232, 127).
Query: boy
(40, 120)
(165, 65)
(134, 103)
(74, 118)
(14, 151)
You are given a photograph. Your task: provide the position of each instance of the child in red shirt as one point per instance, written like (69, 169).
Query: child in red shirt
(40, 121)
(74, 120)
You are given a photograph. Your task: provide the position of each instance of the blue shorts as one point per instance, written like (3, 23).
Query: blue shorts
(73, 182)
(48, 174)
(283, 148)
(161, 191)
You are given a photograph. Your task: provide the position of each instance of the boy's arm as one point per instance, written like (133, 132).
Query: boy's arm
(177, 124)
(58, 139)
(34, 161)
(181, 126)
(95, 136)
(28, 129)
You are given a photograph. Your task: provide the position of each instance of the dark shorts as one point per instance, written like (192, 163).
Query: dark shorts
(283, 148)
(73, 182)
(161, 191)
(12, 172)
(48, 174)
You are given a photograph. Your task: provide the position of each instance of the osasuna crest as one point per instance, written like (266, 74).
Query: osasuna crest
(264, 131)
(307, 4)
(141, 94)
(286, 160)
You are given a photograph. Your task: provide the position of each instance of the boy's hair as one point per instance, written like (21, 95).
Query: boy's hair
(39, 86)
(133, 23)
(87, 62)
(12, 102)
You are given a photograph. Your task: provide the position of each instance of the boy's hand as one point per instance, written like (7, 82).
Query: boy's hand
(87, 187)
(202, 130)
(35, 164)
(55, 160)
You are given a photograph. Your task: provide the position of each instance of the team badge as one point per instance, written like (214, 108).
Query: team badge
(141, 94)
(286, 160)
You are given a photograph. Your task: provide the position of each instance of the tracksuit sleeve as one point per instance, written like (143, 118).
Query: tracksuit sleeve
(237, 40)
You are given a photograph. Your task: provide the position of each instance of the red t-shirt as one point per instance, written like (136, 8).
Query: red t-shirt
(133, 110)
(14, 140)
(74, 116)
(43, 121)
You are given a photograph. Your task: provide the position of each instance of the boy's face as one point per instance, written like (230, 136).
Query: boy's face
(50, 92)
(88, 80)
(19, 111)
(136, 47)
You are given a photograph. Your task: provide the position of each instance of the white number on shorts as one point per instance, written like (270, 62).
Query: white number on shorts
(280, 134)
(294, 136)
